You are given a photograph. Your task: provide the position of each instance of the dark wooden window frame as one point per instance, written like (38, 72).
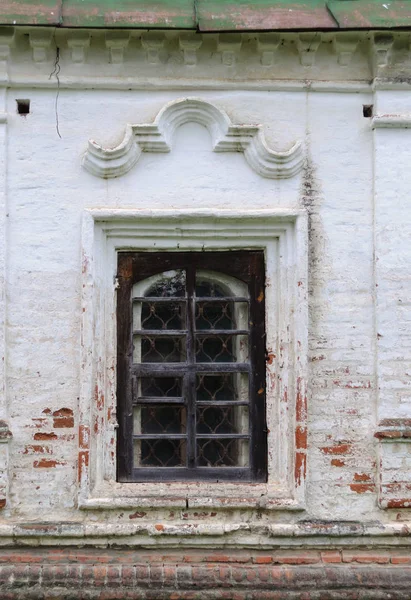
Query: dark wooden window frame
(247, 266)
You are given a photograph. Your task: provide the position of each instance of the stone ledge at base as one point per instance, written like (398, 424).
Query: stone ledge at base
(87, 574)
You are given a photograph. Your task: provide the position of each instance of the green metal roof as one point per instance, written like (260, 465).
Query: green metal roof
(210, 15)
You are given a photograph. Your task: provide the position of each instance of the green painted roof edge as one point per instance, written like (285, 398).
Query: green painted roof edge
(210, 15)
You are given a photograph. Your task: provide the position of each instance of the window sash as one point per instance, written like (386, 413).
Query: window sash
(133, 267)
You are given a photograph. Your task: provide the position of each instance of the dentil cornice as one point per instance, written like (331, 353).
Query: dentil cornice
(135, 59)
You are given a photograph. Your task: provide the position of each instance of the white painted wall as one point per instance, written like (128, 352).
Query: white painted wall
(355, 188)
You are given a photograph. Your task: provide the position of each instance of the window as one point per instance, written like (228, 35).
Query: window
(191, 366)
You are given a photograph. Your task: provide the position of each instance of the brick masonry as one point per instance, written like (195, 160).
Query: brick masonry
(136, 575)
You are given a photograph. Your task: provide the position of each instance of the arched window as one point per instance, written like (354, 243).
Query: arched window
(191, 374)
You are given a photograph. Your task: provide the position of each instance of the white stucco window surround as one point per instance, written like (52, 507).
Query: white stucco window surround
(282, 235)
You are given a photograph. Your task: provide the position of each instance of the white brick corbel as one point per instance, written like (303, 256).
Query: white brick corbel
(189, 44)
(40, 42)
(307, 46)
(345, 44)
(382, 46)
(116, 43)
(153, 43)
(6, 41)
(229, 45)
(78, 43)
(267, 44)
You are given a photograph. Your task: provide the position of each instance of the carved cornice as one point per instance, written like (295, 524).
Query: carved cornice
(225, 137)
(143, 59)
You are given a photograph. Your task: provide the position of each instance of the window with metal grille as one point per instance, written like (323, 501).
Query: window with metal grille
(191, 366)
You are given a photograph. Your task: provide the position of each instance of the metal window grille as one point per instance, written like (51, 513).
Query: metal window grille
(191, 366)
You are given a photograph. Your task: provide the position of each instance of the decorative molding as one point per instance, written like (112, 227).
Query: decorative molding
(383, 42)
(263, 61)
(345, 45)
(391, 121)
(282, 235)
(307, 45)
(78, 43)
(7, 38)
(153, 42)
(267, 45)
(225, 136)
(40, 42)
(394, 430)
(229, 45)
(189, 44)
(116, 43)
(394, 490)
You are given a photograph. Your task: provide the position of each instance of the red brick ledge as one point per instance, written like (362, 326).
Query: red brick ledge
(137, 575)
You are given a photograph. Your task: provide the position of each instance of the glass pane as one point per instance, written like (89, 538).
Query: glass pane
(222, 386)
(160, 387)
(221, 348)
(208, 289)
(222, 453)
(159, 349)
(168, 284)
(222, 419)
(221, 315)
(159, 315)
(159, 453)
(213, 284)
(159, 418)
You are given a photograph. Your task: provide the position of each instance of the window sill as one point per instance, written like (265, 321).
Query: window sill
(113, 495)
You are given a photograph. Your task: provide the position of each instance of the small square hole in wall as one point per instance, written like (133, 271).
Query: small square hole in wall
(367, 110)
(23, 107)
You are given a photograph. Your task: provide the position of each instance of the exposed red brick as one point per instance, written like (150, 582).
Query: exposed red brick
(263, 560)
(63, 412)
(41, 436)
(98, 398)
(62, 422)
(300, 558)
(45, 463)
(3, 502)
(361, 488)
(388, 434)
(270, 358)
(361, 477)
(83, 459)
(337, 462)
(159, 527)
(391, 487)
(217, 558)
(343, 448)
(137, 515)
(301, 437)
(331, 557)
(399, 503)
(37, 449)
(364, 558)
(300, 467)
(401, 560)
